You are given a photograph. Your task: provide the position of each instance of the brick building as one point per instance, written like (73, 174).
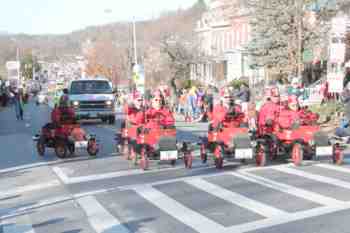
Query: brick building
(223, 32)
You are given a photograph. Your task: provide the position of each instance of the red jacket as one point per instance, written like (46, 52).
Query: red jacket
(221, 114)
(62, 115)
(161, 116)
(287, 117)
(218, 114)
(307, 117)
(136, 116)
(269, 111)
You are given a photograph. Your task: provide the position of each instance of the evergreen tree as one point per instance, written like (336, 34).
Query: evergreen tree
(274, 24)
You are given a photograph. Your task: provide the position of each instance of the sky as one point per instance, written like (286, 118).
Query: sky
(64, 16)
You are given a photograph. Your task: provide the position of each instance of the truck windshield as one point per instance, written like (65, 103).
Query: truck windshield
(90, 87)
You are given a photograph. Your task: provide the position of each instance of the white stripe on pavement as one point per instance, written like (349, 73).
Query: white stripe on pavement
(311, 196)
(13, 212)
(29, 188)
(270, 222)
(100, 219)
(95, 177)
(12, 169)
(59, 172)
(322, 179)
(20, 224)
(334, 167)
(180, 212)
(40, 164)
(237, 199)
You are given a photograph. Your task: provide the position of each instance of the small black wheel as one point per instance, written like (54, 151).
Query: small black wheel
(40, 146)
(111, 120)
(61, 149)
(173, 162)
(92, 148)
(71, 149)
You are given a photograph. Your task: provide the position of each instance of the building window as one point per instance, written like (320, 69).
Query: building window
(225, 68)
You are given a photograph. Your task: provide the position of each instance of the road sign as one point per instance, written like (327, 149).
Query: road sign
(308, 55)
(335, 82)
(13, 65)
(139, 77)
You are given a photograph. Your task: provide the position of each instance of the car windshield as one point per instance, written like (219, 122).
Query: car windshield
(91, 87)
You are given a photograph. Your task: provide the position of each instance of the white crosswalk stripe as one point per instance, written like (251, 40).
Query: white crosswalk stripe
(29, 188)
(180, 212)
(100, 219)
(318, 178)
(335, 168)
(237, 199)
(311, 196)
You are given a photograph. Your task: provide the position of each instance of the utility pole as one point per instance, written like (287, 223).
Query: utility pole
(299, 16)
(134, 40)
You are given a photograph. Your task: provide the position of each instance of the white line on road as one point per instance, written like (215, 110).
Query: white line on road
(13, 169)
(311, 196)
(13, 212)
(21, 224)
(322, 179)
(59, 172)
(180, 212)
(100, 219)
(237, 199)
(270, 222)
(333, 167)
(95, 177)
(40, 164)
(29, 188)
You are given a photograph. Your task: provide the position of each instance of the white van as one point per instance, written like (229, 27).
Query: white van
(93, 99)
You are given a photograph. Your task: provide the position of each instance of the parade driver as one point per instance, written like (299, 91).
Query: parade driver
(159, 113)
(289, 117)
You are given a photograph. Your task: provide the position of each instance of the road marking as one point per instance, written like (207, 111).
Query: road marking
(13, 169)
(322, 179)
(19, 225)
(29, 188)
(95, 177)
(13, 212)
(179, 211)
(335, 168)
(311, 196)
(270, 222)
(100, 219)
(237, 199)
(59, 172)
(41, 164)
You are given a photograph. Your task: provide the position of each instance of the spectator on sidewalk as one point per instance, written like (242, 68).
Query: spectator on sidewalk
(182, 102)
(18, 103)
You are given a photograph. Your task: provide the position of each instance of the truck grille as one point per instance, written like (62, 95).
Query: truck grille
(93, 105)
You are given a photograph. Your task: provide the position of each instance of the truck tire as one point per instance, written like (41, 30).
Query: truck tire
(112, 120)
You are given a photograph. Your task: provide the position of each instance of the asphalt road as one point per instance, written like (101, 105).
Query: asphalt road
(110, 195)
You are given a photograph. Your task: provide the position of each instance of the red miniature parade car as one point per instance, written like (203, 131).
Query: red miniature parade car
(66, 138)
(228, 137)
(155, 142)
(295, 132)
(150, 133)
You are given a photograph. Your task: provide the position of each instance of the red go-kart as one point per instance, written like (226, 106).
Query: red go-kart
(229, 139)
(156, 142)
(66, 138)
(300, 142)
